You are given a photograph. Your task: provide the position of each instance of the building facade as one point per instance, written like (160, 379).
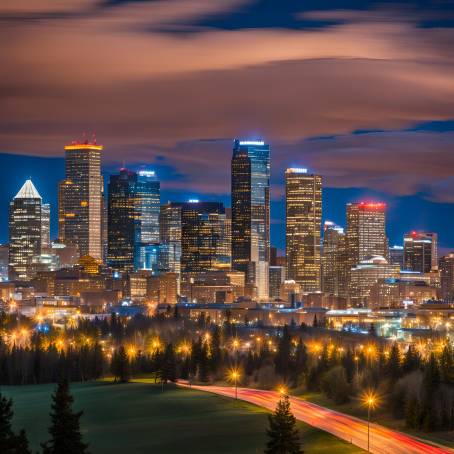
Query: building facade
(421, 251)
(25, 231)
(251, 213)
(333, 259)
(80, 197)
(303, 199)
(447, 277)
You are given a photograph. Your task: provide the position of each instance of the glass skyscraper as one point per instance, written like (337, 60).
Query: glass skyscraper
(303, 201)
(80, 196)
(133, 221)
(25, 231)
(251, 212)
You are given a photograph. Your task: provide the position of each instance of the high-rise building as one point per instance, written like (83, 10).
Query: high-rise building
(277, 278)
(251, 213)
(447, 277)
(80, 195)
(133, 221)
(366, 231)
(420, 251)
(25, 231)
(303, 199)
(396, 255)
(366, 235)
(170, 237)
(45, 227)
(202, 242)
(333, 259)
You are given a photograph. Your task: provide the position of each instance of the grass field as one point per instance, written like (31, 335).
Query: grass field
(139, 418)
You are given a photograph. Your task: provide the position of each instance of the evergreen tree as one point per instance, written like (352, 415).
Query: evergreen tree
(282, 358)
(9, 442)
(447, 363)
(216, 355)
(169, 365)
(65, 429)
(282, 432)
(348, 361)
(120, 366)
(393, 368)
(412, 360)
(430, 384)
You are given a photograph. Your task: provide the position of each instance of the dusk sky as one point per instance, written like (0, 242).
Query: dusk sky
(361, 95)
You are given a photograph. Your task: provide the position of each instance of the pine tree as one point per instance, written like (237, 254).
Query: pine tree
(412, 360)
(282, 358)
(120, 367)
(393, 369)
(168, 365)
(447, 363)
(65, 429)
(282, 432)
(9, 442)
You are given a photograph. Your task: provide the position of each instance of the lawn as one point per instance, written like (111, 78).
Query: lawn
(139, 418)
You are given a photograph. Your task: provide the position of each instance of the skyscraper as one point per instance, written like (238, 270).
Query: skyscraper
(333, 259)
(366, 231)
(251, 212)
(303, 200)
(447, 277)
(133, 220)
(420, 251)
(148, 200)
(202, 230)
(366, 234)
(45, 227)
(170, 237)
(80, 196)
(25, 231)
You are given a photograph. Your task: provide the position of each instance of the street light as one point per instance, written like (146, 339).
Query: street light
(282, 391)
(371, 400)
(235, 375)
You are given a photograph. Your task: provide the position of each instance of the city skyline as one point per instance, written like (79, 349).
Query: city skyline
(334, 200)
(174, 104)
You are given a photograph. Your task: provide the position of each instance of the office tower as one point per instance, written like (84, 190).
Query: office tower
(420, 251)
(202, 227)
(4, 261)
(148, 199)
(333, 259)
(170, 237)
(45, 227)
(447, 277)
(133, 221)
(251, 213)
(64, 188)
(366, 232)
(277, 278)
(303, 199)
(80, 196)
(225, 248)
(122, 220)
(366, 274)
(396, 255)
(25, 231)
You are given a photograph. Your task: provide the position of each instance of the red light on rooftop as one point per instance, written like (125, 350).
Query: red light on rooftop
(379, 206)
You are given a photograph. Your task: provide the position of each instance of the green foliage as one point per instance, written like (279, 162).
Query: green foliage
(120, 366)
(282, 432)
(10, 443)
(335, 385)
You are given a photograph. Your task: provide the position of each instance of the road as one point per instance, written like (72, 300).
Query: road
(349, 428)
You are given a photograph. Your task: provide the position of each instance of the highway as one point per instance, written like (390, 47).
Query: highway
(349, 428)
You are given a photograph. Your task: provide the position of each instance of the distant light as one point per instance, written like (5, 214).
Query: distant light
(252, 142)
(296, 170)
(147, 173)
(193, 200)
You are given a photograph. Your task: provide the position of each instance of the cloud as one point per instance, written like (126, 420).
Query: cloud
(153, 95)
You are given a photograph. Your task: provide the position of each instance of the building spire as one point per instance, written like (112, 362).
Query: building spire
(28, 191)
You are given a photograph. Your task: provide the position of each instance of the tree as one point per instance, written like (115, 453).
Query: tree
(447, 363)
(335, 385)
(393, 369)
(169, 365)
(412, 360)
(65, 428)
(282, 432)
(120, 365)
(282, 358)
(9, 442)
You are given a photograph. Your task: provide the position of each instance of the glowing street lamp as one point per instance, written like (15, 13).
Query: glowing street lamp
(371, 400)
(234, 376)
(282, 390)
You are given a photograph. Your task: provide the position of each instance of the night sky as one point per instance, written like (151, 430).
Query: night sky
(363, 95)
